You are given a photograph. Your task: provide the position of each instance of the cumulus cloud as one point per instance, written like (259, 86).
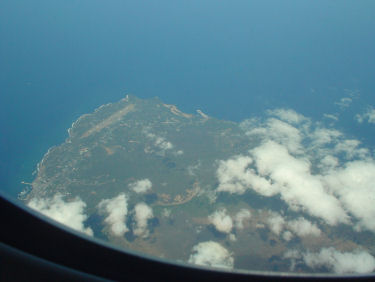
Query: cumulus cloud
(303, 227)
(350, 148)
(222, 222)
(323, 136)
(300, 226)
(293, 256)
(163, 144)
(344, 102)
(212, 254)
(368, 116)
(70, 213)
(288, 115)
(297, 186)
(287, 235)
(158, 141)
(141, 186)
(313, 169)
(354, 185)
(235, 176)
(275, 223)
(240, 217)
(341, 262)
(328, 163)
(142, 214)
(279, 131)
(179, 153)
(116, 210)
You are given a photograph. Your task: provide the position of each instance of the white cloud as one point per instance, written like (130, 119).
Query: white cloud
(236, 177)
(328, 163)
(288, 115)
(222, 222)
(70, 213)
(322, 136)
(371, 116)
(232, 237)
(300, 226)
(350, 148)
(275, 223)
(353, 93)
(158, 141)
(297, 186)
(341, 262)
(354, 185)
(142, 214)
(344, 102)
(279, 131)
(211, 254)
(368, 116)
(166, 213)
(359, 118)
(141, 186)
(287, 235)
(303, 227)
(240, 217)
(163, 144)
(116, 210)
(179, 153)
(293, 255)
(332, 117)
(313, 169)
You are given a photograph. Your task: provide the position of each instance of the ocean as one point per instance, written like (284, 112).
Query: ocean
(231, 59)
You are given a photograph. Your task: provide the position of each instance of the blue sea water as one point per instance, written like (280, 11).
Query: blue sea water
(231, 59)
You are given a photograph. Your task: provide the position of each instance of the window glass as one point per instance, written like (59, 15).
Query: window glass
(227, 134)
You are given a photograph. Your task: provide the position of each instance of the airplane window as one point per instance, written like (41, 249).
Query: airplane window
(234, 135)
